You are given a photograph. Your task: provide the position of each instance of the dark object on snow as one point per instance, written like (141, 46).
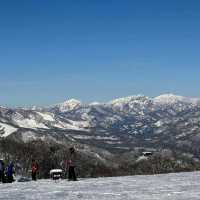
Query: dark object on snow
(147, 154)
(2, 171)
(56, 174)
(72, 161)
(24, 179)
(71, 173)
(71, 164)
(34, 168)
(9, 173)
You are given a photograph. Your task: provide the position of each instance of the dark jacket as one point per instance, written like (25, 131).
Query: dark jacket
(10, 170)
(2, 167)
(72, 160)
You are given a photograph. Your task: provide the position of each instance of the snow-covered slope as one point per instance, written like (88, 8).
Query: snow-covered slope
(30, 123)
(47, 116)
(182, 186)
(6, 130)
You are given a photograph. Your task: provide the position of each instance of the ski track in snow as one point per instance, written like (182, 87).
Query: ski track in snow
(180, 186)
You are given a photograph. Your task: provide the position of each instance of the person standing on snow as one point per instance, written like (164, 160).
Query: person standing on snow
(71, 164)
(2, 169)
(10, 172)
(34, 169)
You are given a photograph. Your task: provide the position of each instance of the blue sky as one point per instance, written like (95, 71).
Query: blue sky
(97, 50)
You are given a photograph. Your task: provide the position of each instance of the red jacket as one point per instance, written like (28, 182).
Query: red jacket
(34, 167)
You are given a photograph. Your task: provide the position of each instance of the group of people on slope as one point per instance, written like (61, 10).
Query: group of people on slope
(6, 173)
(69, 166)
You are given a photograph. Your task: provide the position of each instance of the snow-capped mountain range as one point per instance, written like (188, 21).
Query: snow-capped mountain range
(122, 124)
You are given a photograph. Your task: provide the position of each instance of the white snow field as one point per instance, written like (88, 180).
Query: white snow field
(180, 186)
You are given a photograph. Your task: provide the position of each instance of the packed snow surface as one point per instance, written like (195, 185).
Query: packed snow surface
(182, 186)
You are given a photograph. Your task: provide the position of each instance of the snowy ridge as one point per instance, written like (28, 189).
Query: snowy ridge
(165, 99)
(172, 99)
(73, 104)
(6, 130)
(69, 105)
(30, 123)
(125, 100)
(128, 115)
(95, 103)
(47, 116)
(72, 125)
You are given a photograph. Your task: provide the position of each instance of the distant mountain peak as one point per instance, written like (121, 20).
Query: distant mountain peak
(172, 99)
(128, 99)
(69, 105)
(95, 103)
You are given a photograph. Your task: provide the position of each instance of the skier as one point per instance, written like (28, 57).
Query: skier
(71, 165)
(2, 169)
(34, 168)
(10, 172)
